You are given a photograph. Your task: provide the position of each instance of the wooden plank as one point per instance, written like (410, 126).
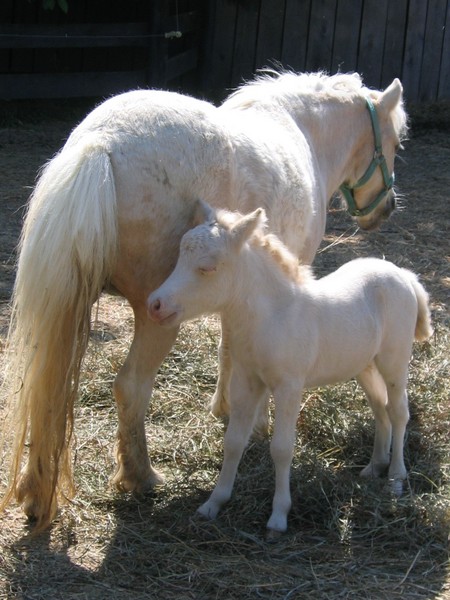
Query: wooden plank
(157, 58)
(181, 63)
(394, 42)
(415, 35)
(346, 36)
(295, 34)
(444, 79)
(69, 85)
(432, 50)
(222, 21)
(6, 15)
(270, 33)
(22, 60)
(321, 35)
(371, 41)
(93, 35)
(244, 53)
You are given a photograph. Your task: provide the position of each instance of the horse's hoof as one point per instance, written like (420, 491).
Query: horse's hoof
(128, 484)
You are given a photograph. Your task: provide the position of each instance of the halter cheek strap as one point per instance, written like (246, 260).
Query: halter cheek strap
(378, 160)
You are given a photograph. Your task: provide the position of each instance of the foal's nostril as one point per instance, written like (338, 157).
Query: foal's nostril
(156, 305)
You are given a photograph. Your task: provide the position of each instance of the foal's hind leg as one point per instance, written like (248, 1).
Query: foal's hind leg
(395, 375)
(132, 390)
(375, 389)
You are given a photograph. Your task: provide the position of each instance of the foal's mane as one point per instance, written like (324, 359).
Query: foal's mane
(272, 246)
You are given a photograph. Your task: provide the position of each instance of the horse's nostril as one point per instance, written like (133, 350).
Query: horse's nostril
(156, 305)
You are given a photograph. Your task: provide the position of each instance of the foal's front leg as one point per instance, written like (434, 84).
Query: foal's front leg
(132, 391)
(287, 398)
(245, 394)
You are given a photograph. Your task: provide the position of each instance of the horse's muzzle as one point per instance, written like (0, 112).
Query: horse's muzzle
(374, 222)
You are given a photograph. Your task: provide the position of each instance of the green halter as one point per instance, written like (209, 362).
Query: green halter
(378, 160)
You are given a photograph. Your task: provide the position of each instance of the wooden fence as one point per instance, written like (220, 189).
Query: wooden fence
(381, 39)
(107, 46)
(50, 55)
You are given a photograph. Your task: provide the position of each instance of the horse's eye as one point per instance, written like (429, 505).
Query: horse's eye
(207, 270)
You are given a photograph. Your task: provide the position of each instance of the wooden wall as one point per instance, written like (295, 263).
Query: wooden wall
(107, 46)
(381, 39)
(98, 48)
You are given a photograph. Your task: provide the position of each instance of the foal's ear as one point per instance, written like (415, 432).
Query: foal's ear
(203, 213)
(243, 229)
(391, 96)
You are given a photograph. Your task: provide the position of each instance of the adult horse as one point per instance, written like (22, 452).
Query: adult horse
(108, 213)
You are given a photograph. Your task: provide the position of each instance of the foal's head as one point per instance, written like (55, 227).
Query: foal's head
(202, 280)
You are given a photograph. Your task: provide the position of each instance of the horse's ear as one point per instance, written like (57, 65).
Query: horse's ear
(203, 213)
(391, 96)
(246, 225)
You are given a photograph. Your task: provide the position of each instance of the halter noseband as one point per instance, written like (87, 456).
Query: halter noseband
(378, 160)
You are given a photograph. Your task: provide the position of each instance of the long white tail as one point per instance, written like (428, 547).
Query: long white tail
(67, 252)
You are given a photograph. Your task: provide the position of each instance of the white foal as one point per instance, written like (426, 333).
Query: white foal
(289, 331)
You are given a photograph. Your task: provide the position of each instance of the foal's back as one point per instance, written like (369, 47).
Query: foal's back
(359, 310)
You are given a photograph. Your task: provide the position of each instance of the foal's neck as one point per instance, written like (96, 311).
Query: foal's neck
(260, 288)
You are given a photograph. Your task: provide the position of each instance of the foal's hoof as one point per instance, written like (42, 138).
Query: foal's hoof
(396, 487)
(374, 470)
(272, 535)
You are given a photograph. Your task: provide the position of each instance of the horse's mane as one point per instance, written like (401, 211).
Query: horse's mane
(272, 245)
(270, 82)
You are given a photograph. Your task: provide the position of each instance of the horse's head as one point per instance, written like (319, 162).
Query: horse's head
(370, 195)
(203, 278)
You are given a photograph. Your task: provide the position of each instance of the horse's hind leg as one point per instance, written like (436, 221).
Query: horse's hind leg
(132, 390)
(375, 389)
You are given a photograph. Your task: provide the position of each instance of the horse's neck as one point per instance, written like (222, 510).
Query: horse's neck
(336, 132)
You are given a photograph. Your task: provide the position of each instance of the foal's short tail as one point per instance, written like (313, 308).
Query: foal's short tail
(424, 329)
(67, 253)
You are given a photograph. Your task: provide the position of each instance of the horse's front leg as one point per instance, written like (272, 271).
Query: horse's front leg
(287, 405)
(246, 392)
(132, 391)
(220, 404)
